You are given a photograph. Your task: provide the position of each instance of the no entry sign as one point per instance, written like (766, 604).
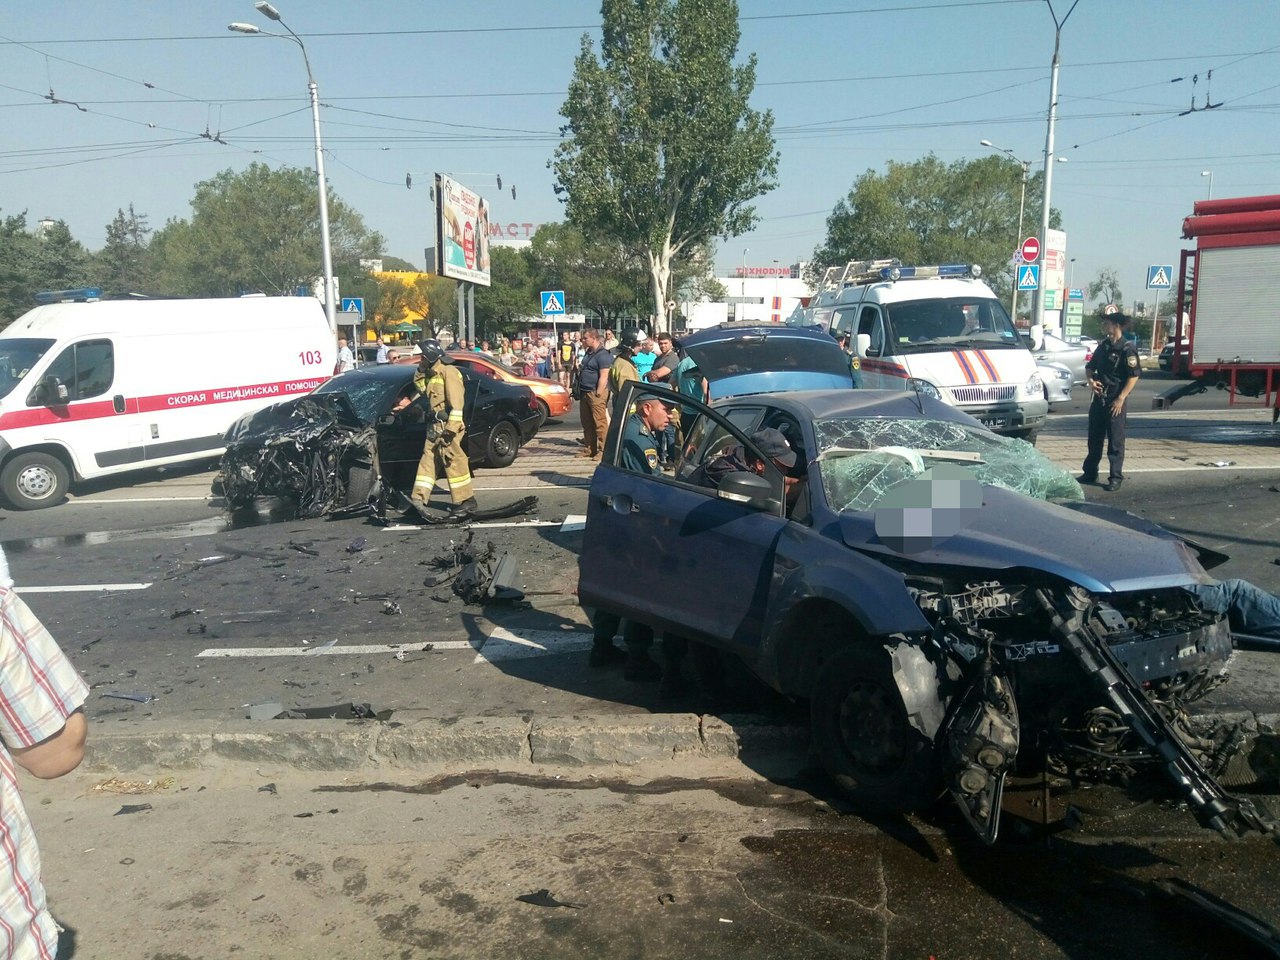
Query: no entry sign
(1030, 250)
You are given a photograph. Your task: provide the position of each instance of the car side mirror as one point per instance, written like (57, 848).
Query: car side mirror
(52, 391)
(747, 488)
(862, 345)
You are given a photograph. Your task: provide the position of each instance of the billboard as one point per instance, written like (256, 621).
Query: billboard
(462, 232)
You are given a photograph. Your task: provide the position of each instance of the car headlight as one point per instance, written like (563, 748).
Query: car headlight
(558, 388)
(1061, 374)
(1035, 386)
(924, 387)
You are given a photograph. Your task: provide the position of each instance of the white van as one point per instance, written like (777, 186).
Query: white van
(938, 326)
(95, 387)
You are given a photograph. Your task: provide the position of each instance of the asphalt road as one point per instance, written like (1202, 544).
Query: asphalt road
(353, 866)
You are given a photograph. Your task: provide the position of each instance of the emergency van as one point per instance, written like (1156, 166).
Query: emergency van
(92, 387)
(936, 328)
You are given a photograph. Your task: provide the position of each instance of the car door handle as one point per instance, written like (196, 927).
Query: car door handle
(620, 504)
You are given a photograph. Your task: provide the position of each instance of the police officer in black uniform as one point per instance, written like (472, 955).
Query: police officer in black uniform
(1112, 373)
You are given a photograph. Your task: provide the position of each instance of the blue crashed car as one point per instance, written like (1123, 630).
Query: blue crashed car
(944, 598)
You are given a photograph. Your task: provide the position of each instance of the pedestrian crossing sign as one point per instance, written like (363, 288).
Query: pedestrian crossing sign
(553, 303)
(1029, 276)
(1159, 277)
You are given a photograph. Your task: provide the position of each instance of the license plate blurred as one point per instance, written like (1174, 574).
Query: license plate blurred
(995, 421)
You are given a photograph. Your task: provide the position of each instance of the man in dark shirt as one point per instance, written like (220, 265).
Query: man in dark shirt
(593, 379)
(664, 371)
(1112, 373)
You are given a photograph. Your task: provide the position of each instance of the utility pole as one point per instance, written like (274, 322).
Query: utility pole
(1037, 303)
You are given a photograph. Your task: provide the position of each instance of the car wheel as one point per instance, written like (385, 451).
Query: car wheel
(544, 412)
(34, 480)
(360, 480)
(864, 736)
(503, 444)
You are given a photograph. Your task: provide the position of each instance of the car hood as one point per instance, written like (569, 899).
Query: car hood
(1015, 531)
(301, 418)
(769, 362)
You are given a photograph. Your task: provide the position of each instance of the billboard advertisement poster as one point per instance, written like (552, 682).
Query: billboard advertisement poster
(462, 232)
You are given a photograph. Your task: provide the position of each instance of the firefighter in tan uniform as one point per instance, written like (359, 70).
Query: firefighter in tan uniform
(441, 383)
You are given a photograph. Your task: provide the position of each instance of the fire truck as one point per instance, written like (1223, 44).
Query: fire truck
(1228, 326)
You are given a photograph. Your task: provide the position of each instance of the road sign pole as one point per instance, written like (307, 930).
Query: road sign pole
(1155, 319)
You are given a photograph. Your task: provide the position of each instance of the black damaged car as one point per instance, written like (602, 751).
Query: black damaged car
(325, 451)
(945, 599)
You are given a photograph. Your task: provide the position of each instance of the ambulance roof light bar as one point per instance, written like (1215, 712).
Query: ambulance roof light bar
(973, 270)
(77, 295)
(862, 271)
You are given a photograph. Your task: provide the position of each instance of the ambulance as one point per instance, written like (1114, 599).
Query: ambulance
(939, 329)
(92, 387)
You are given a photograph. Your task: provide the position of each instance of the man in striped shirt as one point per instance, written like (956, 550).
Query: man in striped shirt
(42, 728)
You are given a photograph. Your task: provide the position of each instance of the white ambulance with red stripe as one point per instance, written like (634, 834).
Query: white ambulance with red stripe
(938, 327)
(92, 387)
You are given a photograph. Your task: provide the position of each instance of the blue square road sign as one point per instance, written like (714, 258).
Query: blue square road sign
(353, 305)
(1029, 276)
(553, 303)
(1159, 276)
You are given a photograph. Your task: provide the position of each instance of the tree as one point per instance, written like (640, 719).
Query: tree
(1106, 287)
(662, 150)
(16, 260)
(427, 300)
(257, 230)
(123, 265)
(927, 212)
(58, 260)
(601, 277)
(511, 295)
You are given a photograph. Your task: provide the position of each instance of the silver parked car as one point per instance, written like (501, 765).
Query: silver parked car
(1057, 379)
(1071, 355)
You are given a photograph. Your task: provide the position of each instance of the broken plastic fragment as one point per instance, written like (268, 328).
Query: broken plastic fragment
(358, 544)
(391, 608)
(269, 788)
(132, 808)
(268, 710)
(134, 697)
(543, 898)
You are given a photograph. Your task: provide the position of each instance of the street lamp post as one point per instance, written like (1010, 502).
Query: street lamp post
(1071, 275)
(1037, 309)
(271, 13)
(1022, 202)
(1209, 174)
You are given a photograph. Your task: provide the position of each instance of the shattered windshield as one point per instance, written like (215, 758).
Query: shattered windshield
(17, 356)
(921, 325)
(370, 397)
(860, 460)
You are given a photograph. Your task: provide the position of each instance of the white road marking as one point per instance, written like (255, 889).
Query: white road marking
(103, 500)
(573, 523)
(83, 588)
(366, 648)
(502, 644)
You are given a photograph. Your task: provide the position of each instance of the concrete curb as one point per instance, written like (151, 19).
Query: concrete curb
(499, 742)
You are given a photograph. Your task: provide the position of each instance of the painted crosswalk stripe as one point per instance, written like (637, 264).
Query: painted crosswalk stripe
(573, 523)
(504, 644)
(82, 588)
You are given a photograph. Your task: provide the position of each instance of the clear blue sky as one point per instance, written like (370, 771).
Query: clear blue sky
(475, 89)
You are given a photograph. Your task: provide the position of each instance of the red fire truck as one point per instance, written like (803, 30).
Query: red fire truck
(1227, 285)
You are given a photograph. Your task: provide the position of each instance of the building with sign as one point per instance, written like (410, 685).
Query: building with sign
(758, 293)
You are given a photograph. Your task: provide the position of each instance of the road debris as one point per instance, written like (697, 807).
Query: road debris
(304, 548)
(1216, 463)
(357, 545)
(391, 608)
(269, 788)
(543, 898)
(132, 808)
(116, 785)
(134, 697)
(479, 574)
(183, 613)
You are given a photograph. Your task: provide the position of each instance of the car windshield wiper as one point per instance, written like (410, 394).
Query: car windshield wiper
(955, 456)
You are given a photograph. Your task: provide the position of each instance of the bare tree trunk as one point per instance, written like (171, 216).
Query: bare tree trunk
(660, 280)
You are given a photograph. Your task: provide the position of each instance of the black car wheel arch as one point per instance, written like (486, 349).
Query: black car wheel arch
(864, 736)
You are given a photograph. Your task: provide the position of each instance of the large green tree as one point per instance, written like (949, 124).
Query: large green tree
(603, 278)
(257, 230)
(927, 211)
(511, 296)
(123, 265)
(16, 259)
(662, 150)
